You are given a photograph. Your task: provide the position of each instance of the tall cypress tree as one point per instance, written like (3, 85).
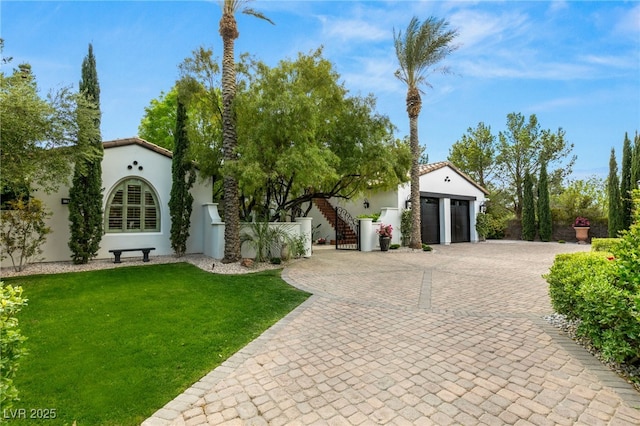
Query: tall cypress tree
(625, 183)
(635, 163)
(85, 206)
(528, 210)
(613, 194)
(181, 200)
(545, 226)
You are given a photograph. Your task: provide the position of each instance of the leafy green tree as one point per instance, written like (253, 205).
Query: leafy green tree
(306, 138)
(545, 223)
(475, 153)
(613, 193)
(229, 32)
(522, 148)
(528, 210)
(23, 231)
(181, 200)
(158, 123)
(85, 206)
(580, 197)
(199, 90)
(421, 47)
(625, 182)
(31, 128)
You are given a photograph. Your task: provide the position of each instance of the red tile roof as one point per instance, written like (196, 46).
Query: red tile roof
(140, 142)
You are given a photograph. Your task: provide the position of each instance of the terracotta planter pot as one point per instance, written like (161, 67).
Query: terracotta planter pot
(582, 234)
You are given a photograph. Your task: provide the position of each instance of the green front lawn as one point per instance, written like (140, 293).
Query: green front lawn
(111, 347)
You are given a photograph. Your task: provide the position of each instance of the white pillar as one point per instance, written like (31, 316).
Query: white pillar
(213, 231)
(367, 234)
(306, 230)
(392, 216)
(445, 221)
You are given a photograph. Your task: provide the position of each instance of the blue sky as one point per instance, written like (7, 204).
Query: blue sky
(576, 65)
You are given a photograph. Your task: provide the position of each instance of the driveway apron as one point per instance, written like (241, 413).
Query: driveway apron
(453, 336)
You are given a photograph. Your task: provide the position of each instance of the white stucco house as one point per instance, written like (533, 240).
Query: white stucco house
(450, 201)
(136, 177)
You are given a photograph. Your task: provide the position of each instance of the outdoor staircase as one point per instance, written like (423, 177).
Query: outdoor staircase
(329, 212)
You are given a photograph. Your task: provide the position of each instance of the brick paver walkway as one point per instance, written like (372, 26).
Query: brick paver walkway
(455, 336)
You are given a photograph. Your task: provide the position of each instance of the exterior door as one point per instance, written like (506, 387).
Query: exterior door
(460, 221)
(430, 220)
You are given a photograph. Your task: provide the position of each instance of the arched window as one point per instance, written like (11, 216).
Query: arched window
(132, 206)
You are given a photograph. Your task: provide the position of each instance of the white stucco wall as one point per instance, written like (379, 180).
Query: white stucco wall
(152, 167)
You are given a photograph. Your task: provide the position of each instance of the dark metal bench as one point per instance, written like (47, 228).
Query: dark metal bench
(145, 253)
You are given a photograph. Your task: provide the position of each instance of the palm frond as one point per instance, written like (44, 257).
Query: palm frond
(255, 13)
(421, 47)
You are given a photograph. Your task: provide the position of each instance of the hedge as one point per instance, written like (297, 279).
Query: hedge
(601, 289)
(585, 286)
(604, 244)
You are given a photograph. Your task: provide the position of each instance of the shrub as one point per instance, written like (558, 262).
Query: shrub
(23, 231)
(426, 247)
(11, 342)
(602, 290)
(483, 224)
(298, 246)
(394, 246)
(606, 314)
(604, 244)
(405, 227)
(266, 240)
(495, 226)
(374, 216)
(276, 260)
(627, 251)
(569, 272)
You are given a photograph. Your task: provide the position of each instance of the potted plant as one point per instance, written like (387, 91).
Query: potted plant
(384, 233)
(582, 226)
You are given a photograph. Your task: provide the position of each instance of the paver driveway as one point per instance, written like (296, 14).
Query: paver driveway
(455, 336)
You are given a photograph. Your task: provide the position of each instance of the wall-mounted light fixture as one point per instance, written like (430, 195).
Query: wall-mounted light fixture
(65, 200)
(407, 203)
(366, 203)
(483, 205)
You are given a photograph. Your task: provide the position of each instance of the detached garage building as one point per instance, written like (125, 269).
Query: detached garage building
(449, 202)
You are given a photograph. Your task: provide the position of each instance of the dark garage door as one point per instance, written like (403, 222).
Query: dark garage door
(430, 220)
(460, 221)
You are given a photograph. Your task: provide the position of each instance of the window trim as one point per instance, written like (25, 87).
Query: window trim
(145, 189)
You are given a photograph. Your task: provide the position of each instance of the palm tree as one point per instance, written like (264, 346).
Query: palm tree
(229, 31)
(418, 50)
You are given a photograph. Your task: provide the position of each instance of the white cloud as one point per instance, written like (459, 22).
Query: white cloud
(558, 103)
(483, 30)
(352, 30)
(629, 22)
(611, 61)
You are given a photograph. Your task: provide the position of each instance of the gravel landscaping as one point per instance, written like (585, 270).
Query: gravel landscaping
(631, 373)
(201, 261)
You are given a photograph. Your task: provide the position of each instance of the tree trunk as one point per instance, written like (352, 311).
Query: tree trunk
(414, 104)
(229, 32)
